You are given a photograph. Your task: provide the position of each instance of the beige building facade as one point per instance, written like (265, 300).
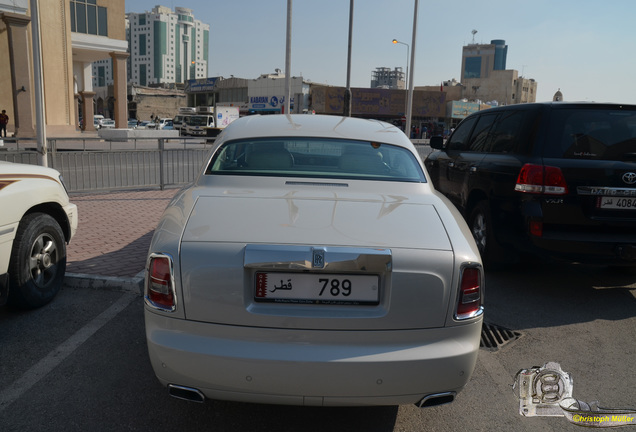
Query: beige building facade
(505, 87)
(484, 76)
(73, 34)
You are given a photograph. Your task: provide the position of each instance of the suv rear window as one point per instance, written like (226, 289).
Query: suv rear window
(593, 134)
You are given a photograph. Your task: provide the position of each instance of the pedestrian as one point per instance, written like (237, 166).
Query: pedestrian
(4, 119)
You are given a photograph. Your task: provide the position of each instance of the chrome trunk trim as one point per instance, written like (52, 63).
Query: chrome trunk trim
(304, 258)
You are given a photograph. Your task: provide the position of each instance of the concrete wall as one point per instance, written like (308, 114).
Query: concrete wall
(116, 14)
(158, 105)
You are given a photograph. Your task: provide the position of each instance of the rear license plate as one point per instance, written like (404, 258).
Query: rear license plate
(616, 203)
(312, 288)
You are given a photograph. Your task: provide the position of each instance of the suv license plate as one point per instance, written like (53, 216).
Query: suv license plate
(616, 203)
(314, 288)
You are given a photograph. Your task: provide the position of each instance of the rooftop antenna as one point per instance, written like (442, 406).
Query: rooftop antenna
(474, 32)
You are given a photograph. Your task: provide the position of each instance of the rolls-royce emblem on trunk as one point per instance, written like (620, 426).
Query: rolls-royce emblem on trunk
(318, 258)
(629, 178)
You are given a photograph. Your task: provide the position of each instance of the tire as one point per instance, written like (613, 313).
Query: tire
(38, 262)
(481, 226)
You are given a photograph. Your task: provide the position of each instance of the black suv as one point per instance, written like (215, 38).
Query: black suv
(554, 179)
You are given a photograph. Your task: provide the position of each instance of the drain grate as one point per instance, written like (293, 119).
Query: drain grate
(494, 337)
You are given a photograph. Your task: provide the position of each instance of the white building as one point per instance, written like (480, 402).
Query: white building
(164, 46)
(384, 77)
(267, 94)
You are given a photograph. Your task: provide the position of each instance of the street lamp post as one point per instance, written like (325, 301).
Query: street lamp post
(409, 109)
(347, 95)
(409, 98)
(406, 76)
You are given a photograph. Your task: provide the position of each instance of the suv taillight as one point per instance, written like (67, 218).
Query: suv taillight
(541, 179)
(159, 286)
(470, 302)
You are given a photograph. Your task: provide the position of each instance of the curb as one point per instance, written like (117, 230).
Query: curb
(79, 280)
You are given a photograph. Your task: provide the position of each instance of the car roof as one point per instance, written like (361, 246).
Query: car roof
(558, 105)
(323, 126)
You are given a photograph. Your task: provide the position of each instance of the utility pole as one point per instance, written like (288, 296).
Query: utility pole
(288, 59)
(409, 111)
(347, 95)
(38, 84)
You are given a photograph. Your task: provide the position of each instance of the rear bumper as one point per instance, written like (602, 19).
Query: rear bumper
(310, 367)
(588, 248)
(196, 132)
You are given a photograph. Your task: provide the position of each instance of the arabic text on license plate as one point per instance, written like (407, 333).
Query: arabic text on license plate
(617, 203)
(313, 288)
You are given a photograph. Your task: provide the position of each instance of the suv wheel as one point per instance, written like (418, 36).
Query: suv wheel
(480, 223)
(38, 261)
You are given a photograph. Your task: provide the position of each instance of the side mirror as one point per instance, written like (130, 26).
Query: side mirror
(437, 142)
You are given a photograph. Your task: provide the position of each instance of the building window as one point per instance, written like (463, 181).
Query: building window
(472, 67)
(142, 44)
(87, 17)
(101, 76)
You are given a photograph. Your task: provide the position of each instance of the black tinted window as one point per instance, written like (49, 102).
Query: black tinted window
(479, 138)
(592, 133)
(459, 139)
(514, 132)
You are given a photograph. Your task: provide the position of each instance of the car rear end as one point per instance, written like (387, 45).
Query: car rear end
(580, 202)
(388, 325)
(304, 291)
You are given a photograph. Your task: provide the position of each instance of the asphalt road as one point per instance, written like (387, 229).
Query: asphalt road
(80, 364)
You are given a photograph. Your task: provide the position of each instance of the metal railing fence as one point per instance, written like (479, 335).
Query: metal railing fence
(95, 164)
(89, 165)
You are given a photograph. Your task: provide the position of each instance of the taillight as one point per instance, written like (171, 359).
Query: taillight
(160, 290)
(536, 228)
(470, 302)
(541, 179)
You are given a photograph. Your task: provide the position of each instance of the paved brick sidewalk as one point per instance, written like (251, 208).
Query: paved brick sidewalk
(114, 232)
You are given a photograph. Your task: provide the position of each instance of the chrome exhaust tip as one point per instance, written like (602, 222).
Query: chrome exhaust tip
(186, 393)
(436, 399)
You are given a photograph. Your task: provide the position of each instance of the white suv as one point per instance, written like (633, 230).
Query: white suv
(36, 223)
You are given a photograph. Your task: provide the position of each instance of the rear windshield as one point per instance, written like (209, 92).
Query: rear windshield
(595, 134)
(323, 158)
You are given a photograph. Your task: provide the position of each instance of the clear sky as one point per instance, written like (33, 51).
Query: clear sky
(585, 48)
